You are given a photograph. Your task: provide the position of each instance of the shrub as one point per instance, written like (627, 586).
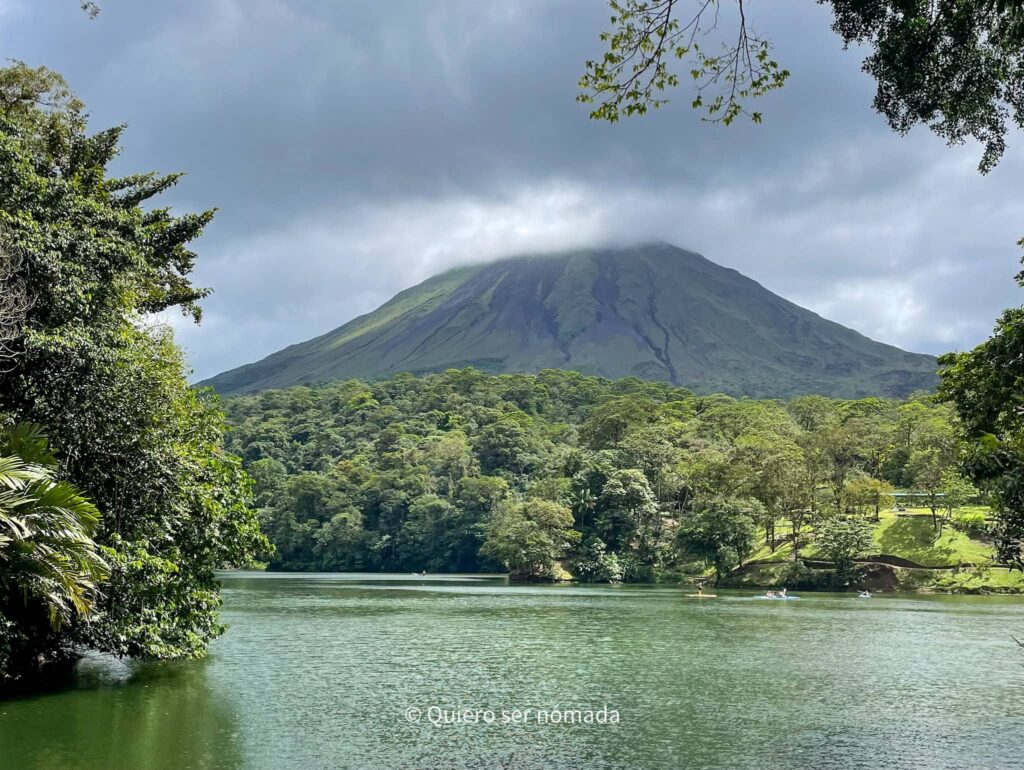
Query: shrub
(972, 523)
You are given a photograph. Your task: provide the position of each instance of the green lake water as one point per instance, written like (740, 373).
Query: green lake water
(326, 671)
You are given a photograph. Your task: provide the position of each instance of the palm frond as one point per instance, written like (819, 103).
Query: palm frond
(46, 529)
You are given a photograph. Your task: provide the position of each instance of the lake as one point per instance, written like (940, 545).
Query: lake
(371, 672)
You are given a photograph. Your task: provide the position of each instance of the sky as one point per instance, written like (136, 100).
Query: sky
(354, 149)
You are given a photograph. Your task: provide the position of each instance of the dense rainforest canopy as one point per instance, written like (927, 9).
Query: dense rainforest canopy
(624, 479)
(149, 503)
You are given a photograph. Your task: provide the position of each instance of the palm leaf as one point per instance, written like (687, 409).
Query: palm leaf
(46, 528)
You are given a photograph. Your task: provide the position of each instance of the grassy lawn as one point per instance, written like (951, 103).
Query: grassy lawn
(783, 553)
(913, 537)
(996, 579)
(909, 535)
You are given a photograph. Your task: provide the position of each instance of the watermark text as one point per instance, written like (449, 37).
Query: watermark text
(439, 716)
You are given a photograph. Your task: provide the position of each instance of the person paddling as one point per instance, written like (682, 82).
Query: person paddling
(700, 588)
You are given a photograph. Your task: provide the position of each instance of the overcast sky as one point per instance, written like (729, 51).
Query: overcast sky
(355, 148)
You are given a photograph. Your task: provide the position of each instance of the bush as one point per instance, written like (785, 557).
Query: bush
(800, 577)
(635, 570)
(595, 565)
(972, 523)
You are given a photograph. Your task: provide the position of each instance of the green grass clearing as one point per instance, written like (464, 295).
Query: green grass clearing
(907, 534)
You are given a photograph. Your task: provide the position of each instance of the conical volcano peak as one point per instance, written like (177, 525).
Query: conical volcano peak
(653, 311)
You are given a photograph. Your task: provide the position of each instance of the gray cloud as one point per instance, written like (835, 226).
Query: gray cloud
(356, 148)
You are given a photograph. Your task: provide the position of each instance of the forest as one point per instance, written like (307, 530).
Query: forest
(559, 474)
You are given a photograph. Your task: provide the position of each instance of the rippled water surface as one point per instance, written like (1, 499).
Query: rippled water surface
(325, 671)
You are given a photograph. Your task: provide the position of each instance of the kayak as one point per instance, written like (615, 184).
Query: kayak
(701, 596)
(778, 598)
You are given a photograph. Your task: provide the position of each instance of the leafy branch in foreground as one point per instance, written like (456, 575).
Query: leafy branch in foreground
(633, 73)
(956, 66)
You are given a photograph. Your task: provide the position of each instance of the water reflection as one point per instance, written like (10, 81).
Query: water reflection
(319, 671)
(112, 714)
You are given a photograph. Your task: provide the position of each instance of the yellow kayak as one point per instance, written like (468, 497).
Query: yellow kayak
(701, 596)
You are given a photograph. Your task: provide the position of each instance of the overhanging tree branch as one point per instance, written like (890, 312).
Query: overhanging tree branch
(634, 71)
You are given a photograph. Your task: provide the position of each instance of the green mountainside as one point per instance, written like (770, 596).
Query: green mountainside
(653, 311)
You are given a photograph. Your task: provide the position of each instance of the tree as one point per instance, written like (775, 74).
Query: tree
(841, 539)
(812, 413)
(843, 448)
(505, 446)
(451, 459)
(775, 463)
(109, 386)
(956, 493)
(581, 500)
(928, 468)
(629, 511)
(527, 538)
(475, 501)
(984, 386)
(634, 71)
(50, 566)
(654, 450)
(594, 564)
(909, 417)
(341, 544)
(608, 423)
(422, 534)
(866, 495)
(721, 531)
(268, 478)
(956, 66)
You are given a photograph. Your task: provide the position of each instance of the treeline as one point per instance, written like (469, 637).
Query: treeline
(610, 480)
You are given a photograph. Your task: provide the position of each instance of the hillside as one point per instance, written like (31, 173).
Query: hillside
(628, 478)
(655, 312)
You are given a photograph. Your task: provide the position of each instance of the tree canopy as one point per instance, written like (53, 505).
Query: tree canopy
(85, 260)
(535, 474)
